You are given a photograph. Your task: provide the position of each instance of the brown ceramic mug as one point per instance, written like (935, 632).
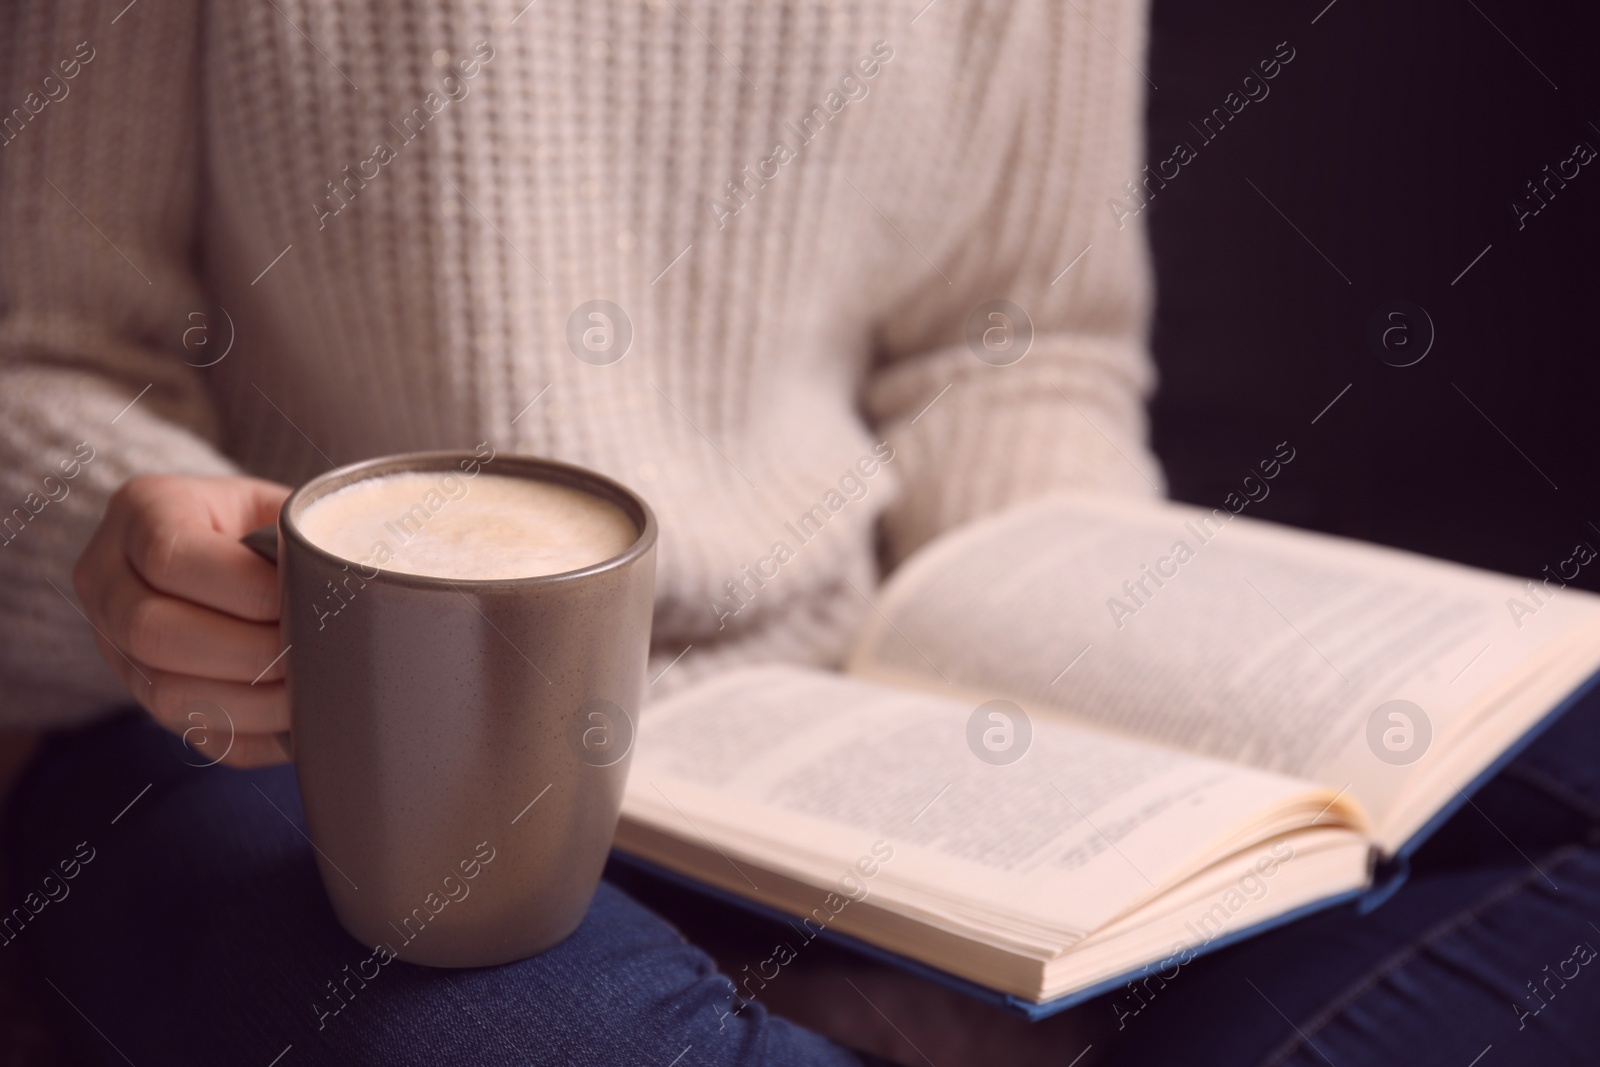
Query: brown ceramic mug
(462, 744)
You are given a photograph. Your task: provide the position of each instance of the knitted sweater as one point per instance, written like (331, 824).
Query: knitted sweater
(276, 237)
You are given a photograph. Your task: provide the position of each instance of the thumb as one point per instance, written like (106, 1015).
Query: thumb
(239, 505)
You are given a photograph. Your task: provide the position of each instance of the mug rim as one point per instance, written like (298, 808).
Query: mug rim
(634, 506)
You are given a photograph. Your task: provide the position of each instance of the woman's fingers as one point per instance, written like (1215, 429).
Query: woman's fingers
(187, 616)
(134, 677)
(204, 707)
(175, 635)
(257, 750)
(221, 722)
(236, 724)
(181, 535)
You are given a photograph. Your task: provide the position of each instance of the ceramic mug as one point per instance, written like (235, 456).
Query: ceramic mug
(461, 744)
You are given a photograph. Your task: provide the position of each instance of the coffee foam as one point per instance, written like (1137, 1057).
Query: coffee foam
(447, 525)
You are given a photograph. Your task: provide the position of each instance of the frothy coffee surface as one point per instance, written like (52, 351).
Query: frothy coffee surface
(446, 525)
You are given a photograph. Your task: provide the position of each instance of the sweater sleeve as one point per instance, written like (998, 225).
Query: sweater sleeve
(980, 416)
(99, 159)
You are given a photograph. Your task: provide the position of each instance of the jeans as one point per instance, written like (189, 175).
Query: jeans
(194, 929)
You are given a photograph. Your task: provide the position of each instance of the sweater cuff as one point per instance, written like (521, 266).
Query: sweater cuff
(52, 422)
(999, 436)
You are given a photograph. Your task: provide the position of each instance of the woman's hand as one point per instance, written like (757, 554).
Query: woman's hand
(187, 616)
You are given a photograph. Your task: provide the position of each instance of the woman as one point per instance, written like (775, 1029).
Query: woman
(716, 253)
(249, 242)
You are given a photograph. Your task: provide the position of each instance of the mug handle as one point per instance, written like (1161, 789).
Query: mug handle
(263, 540)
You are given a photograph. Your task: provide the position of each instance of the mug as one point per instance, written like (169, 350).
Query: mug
(461, 744)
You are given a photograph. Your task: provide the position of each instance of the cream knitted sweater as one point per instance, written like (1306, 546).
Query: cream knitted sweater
(271, 237)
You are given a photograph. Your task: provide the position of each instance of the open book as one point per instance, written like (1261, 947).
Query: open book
(1094, 736)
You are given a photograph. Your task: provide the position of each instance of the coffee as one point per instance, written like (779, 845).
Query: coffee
(447, 525)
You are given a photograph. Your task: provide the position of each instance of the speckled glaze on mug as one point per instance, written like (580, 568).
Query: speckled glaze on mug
(462, 744)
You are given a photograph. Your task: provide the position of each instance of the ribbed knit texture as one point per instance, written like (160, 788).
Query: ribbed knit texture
(772, 347)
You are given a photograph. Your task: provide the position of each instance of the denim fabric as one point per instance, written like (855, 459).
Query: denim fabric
(197, 932)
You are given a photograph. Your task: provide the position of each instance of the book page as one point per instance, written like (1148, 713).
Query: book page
(799, 772)
(1214, 634)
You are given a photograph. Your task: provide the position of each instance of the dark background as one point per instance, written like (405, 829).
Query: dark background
(1396, 141)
